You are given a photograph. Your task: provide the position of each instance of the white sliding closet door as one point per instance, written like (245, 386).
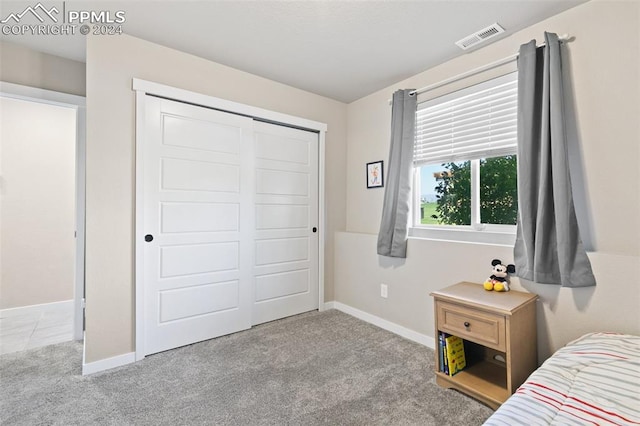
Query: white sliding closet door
(198, 219)
(228, 223)
(286, 206)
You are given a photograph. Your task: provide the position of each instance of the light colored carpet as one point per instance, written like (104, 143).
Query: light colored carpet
(316, 368)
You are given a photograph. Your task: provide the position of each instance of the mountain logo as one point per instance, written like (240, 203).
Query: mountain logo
(38, 11)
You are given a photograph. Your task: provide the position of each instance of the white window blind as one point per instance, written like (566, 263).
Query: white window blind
(477, 122)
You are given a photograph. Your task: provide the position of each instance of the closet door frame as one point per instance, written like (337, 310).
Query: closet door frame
(143, 88)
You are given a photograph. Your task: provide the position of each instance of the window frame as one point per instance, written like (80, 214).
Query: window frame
(476, 232)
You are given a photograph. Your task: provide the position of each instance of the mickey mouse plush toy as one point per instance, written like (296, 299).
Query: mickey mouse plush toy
(499, 280)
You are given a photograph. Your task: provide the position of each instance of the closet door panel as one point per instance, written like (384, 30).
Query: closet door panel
(198, 215)
(286, 205)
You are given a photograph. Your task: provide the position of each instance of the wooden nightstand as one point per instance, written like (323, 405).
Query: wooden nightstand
(500, 339)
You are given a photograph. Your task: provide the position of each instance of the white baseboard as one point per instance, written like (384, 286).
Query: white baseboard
(329, 305)
(414, 336)
(65, 305)
(106, 364)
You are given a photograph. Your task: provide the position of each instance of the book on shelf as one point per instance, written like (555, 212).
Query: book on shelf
(440, 352)
(454, 351)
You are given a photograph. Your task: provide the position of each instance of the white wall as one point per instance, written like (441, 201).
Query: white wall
(37, 208)
(21, 65)
(111, 64)
(604, 62)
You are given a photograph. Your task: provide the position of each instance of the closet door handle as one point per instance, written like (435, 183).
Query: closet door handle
(148, 238)
(314, 229)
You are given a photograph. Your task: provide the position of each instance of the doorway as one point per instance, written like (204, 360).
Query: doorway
(41, 217)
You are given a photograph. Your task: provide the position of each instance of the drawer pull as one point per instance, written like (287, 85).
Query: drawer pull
(466, 324)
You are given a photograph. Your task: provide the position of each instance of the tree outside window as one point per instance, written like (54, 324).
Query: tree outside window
(446, 192)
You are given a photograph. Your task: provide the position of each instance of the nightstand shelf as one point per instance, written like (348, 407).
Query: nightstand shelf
(499, 333)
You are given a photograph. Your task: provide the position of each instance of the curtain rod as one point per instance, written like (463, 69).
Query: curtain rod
(487, 67)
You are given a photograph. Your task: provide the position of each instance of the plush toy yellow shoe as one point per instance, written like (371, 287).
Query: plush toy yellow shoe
(488, 285)
(501, 286)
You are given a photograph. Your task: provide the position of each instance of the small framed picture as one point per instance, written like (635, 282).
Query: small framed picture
(375, 176)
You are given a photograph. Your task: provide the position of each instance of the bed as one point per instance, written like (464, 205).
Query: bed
(594, 380)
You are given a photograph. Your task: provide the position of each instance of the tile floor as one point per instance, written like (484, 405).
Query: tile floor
(19, 332)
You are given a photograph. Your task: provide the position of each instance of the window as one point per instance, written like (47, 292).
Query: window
(465, 159)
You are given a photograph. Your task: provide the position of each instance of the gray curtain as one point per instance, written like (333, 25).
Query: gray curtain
(548, 247)
(392, 238)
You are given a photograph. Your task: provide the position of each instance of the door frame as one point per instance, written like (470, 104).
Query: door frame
(79, 104)
(142, 88)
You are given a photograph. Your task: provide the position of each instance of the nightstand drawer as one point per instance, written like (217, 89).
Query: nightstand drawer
(472, 324)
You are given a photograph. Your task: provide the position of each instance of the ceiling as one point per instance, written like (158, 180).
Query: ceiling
(343, 50)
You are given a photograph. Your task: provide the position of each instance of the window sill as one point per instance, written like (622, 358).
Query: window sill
(503, 238)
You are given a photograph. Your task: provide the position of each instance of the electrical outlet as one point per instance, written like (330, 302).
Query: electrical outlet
(383, 290)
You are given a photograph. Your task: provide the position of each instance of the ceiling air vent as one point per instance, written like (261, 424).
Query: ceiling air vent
(479, 36)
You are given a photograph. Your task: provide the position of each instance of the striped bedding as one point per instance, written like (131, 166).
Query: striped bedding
(594, 380)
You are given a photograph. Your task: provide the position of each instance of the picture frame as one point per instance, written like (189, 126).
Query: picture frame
(375, 174)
